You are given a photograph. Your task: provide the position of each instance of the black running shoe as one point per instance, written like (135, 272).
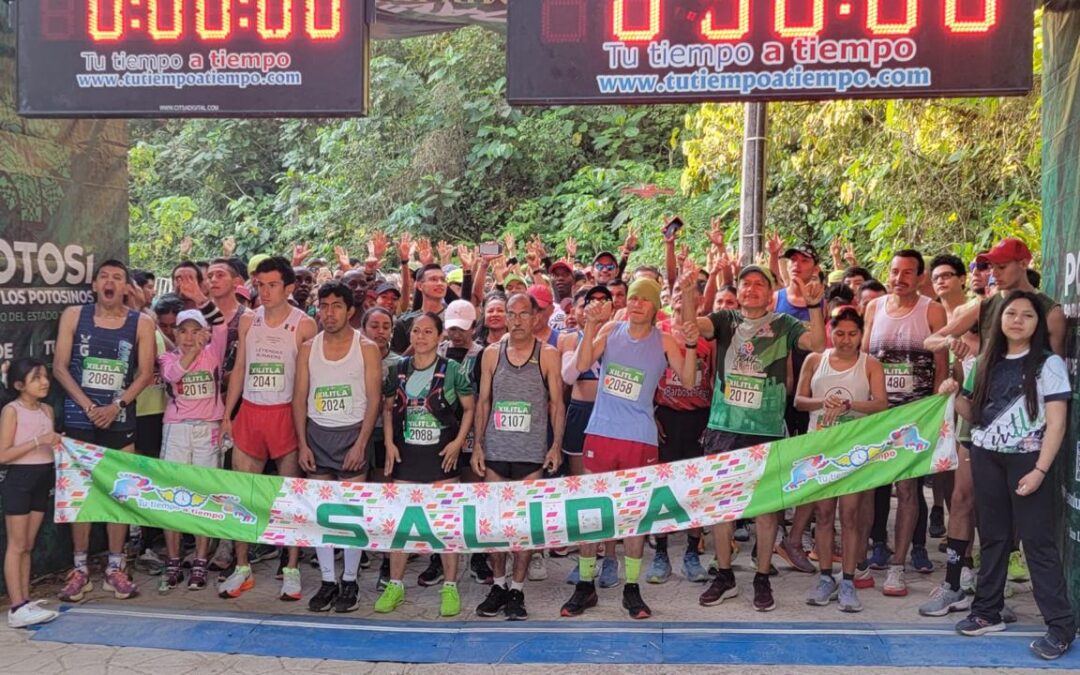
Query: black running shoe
(348, 599)
(384, 573)
(583, 598)
(479, 569)
(722, 587)
(365, 561)
(515, 606)
(434, 572)
(937, 522)
(494, 602)
(632, 602)
(261, 552)
(763, 597)
(324, 599)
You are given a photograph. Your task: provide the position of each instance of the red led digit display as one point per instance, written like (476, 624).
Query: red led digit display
(639, 51)
(205, 58)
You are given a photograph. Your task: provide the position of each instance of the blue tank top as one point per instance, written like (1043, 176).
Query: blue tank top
(592, 374)
(630, 372)
(103, 362)
(785, 307)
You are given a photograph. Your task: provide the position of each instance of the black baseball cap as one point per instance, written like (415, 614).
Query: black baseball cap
(602, 290)
(804, 249)
(387, 288)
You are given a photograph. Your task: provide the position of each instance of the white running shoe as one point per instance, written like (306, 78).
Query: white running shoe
(538, 567)
(290, 584)
(30, 614)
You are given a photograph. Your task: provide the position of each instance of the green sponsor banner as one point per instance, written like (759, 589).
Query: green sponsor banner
(95, 484)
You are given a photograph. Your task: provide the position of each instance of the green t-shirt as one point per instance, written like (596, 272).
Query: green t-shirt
(751, 371)
(418, 385)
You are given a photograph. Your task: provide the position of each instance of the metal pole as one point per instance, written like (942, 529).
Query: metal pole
(752, 211)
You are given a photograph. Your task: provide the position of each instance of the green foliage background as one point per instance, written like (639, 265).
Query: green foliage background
(442, 155)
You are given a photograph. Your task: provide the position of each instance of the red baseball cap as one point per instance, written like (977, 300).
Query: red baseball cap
(563, 264)
(1007, 251)
(542, 295)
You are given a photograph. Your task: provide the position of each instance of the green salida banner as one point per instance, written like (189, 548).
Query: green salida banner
(96, 484)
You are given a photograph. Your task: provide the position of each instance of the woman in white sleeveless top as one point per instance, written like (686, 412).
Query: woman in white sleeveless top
(836, 386)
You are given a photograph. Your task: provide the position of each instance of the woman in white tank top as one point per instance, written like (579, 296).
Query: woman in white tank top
(834, 387)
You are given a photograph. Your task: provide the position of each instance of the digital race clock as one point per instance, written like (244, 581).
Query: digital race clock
(193, 58)
(642, 51)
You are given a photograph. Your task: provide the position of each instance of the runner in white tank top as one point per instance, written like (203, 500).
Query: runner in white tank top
(336, 395)
(270, 359)
(851, 384)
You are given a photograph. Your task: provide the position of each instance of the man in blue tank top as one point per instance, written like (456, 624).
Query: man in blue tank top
(104, 358)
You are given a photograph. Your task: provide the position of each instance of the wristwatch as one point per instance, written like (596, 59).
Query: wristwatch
(121, 404)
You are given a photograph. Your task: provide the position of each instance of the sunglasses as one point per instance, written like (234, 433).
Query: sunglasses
(609, 267)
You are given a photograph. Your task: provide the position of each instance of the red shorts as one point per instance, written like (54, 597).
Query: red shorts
(611, 454)
(264, 431)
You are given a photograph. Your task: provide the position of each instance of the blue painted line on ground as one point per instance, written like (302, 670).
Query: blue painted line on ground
(542, 642)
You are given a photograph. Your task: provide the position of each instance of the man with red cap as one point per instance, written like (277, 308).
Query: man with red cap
(542, 329)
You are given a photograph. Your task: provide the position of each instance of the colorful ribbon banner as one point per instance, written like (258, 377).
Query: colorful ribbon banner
(94, 485)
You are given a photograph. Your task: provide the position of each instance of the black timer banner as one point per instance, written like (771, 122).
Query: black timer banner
(198, 58)
(642, 51)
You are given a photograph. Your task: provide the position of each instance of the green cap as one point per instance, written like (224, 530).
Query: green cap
(750, 269)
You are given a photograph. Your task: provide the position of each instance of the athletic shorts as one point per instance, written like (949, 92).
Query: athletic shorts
(330, 445)
(117, 440)
(514, 470)
(26, 487)
(196, 442)
(377, 450)
(682, 433)
(264, 431)
(577, 419)
(149, 435)
(424, 465)
(718, 442)
(612, 454)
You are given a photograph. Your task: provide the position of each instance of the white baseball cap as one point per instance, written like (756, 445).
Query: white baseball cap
(192, 315)
(460, 314)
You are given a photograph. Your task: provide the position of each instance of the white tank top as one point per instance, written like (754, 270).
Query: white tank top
(271, 359)
(337, 396)
(852, 385)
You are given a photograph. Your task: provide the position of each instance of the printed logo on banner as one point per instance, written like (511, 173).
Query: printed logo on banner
(826, 470)
(132, 486)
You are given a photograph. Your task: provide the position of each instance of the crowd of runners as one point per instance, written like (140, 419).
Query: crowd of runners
(432, 363)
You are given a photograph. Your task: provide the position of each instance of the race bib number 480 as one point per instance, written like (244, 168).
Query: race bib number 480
(513, 416)
(899, 378)
(334, 399)
(107, 374)
(624, 382)
(266, 377)
(421, 427)
(743, 391)
(197, 385)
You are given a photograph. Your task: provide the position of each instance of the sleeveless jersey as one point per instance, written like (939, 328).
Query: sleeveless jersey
(270, 353)
(898, 343)
(517, 427)
(337, 396)
(103, 364)
(851, 385)
(630, 373)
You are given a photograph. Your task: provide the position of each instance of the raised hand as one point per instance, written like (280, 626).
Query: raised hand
(379, 245)
(812, 291)
(598, 312)
(849, 256)
(631, 241)
(538, 247)
(498, 268)
(688, 277)
(300, 252)
(446, 252)
(466, 256)
(775, 244)
(423, 249)
(405, 246)
(511, 247)
(716, 235)
(571, 250)
(342, 258)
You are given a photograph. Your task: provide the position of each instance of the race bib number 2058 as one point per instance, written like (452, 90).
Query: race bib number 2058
(624, 382)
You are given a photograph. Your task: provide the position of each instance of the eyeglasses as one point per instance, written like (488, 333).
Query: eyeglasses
(608, 267)
(518, 316)
(944, 276)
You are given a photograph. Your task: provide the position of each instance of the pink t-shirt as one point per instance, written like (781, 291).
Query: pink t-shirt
(195, 392)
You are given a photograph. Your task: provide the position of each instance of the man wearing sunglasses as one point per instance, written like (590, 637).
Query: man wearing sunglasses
(606, 267)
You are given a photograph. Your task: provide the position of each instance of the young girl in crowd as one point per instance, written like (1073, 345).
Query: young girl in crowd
(1016, 400)
(26, 451)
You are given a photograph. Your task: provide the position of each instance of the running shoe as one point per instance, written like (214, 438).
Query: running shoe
(291, 587)
(365, 560)
(478, 569)
(863, 578)
(31, 614)
(1049, 647)
(392, 597)
(348, 599)
(742, 534)
(967, 580)
(1008, 615)
(632, 602)
(561, 552)
(223, 556)
(120, 584)
(937, 522)
(794, 556)
(920, 561)
(583, 598)
(450, 604)
(825, 592)
(283, 560)
(384, 574)
(434, 572)
(76, 586)
(325, 597)
(894, 585)
(763, 596)
(575, 575)
(538, 567)
(1018, 569)
(722, 588)
(238, 583)
(609, 572)
(197, 578)
(880, 556)
(494, 602)
(943, 600)
(847, 599)
(976, 625)
(150, 562)
(261, 552)
(692, 569)
(659, 569)
(515, 606)
(173, 577)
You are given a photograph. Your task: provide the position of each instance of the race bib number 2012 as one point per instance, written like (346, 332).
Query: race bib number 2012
(744, 391)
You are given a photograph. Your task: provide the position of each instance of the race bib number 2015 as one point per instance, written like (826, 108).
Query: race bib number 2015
(197, 385)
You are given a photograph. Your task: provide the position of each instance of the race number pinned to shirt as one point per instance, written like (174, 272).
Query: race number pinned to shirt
(334, 399)
(198, 385)
(103, 374)
(513, 416)
(899, 378)
(744, 391)
(266, 377)
(421, 427)
(624, 382)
